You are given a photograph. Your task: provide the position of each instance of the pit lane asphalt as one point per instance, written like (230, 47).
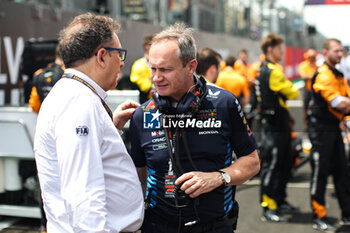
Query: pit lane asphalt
(250, 212)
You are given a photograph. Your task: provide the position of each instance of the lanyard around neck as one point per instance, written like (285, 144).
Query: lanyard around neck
(71, 76)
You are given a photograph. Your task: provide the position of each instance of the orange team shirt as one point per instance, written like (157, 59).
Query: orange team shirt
(34, 100)
(330, 87)
(306, 69)
(253, 71)
(233, 82)
(241, 68)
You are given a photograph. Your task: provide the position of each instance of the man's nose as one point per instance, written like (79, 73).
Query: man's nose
(156, 76)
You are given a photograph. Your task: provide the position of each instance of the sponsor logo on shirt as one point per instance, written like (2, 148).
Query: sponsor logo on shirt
(157, 133)
(208, 132)
(82, 130)
(155, 140)
(205, 113)
(212, 94)
(248, 129)
(160, 146)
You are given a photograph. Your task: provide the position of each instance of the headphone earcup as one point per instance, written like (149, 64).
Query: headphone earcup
(162, 103)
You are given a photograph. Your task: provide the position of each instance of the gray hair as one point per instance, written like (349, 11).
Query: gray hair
(184, 36)
(84, 36)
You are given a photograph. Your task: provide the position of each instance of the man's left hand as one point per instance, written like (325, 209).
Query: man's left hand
(123, 113)
(197, 183)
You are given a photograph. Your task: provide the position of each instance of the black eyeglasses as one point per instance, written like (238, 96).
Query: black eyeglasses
(122, 52)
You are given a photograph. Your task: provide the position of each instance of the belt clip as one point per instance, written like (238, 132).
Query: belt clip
(190, 223)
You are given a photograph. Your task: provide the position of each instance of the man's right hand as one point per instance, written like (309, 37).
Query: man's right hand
(196, 183)
(123, 113)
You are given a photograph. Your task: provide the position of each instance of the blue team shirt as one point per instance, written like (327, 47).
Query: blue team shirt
(211, 149)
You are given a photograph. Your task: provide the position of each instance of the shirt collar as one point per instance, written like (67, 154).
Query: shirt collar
(86, 78)
(336, 72)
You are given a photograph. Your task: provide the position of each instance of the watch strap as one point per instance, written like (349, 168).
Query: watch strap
(223, 178)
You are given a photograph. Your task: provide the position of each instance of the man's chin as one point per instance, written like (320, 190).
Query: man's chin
(162, 92)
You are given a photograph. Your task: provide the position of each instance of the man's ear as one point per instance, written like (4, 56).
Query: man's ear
(192, 65)
(212, 73)
(213, 69)
(324, 52)
(100, 57)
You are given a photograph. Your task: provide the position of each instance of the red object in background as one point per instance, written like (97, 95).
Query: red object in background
(337, 2)
(326, 2)
(292, 58)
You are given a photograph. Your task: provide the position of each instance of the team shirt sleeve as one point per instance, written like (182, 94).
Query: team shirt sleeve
(278, 83)
(325, 87)
(242, 139)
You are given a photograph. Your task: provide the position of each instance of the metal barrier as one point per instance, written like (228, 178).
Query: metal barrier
(17, 129)
(17, 126)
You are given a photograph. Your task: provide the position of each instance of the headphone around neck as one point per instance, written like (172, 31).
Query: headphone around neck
(189, 103)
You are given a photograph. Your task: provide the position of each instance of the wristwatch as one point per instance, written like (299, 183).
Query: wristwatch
(226, 178)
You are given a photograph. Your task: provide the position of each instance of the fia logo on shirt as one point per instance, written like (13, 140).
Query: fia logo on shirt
(82, 130)
(151, 120)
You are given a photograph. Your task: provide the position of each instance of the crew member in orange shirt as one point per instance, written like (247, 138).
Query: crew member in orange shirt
(329, 106)
(241, 65)
(232, 81)
(307, 70)
(253, 71)
(43, 81)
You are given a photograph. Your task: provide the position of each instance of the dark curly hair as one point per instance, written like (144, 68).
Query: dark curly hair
(84, 36)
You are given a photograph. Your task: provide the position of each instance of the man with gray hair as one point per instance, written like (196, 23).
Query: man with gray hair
(182, 143)
(88, 180)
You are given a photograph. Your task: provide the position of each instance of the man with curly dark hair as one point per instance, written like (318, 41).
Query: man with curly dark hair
(88, 180)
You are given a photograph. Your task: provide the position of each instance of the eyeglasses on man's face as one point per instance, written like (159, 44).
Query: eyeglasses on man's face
(121, 52)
